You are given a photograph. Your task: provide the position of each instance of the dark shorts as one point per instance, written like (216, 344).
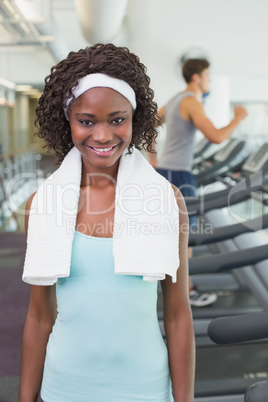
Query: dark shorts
(186, 183)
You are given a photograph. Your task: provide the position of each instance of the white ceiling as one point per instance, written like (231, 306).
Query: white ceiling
(233, 33)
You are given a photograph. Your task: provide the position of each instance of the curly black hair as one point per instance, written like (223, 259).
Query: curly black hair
(109, 59)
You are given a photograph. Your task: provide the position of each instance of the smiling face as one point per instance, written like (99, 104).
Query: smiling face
(101, 128)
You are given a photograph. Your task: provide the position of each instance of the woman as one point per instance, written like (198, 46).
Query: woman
(90, 334)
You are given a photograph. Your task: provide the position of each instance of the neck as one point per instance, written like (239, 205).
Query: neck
(192, 87)
(98, 177)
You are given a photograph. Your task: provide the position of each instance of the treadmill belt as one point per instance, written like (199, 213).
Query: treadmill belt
(225, 369)
(229, 303)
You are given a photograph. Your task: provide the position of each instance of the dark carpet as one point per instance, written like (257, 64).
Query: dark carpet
(14, 296)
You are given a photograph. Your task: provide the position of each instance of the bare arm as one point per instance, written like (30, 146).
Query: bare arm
(153, 157)
(38, 325)
(178, 319)
(196, 113)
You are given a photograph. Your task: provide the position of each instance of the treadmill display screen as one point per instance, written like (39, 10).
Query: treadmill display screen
(259, 155)
(202, 144)
(258, 159)
(225, 152)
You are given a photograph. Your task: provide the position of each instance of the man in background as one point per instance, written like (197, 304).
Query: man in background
(183, 115)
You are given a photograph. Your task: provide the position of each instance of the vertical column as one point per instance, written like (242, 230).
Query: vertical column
(10, 112)
(21, 122)
(4, 135)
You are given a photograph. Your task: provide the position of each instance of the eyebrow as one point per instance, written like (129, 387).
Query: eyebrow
(110, 114)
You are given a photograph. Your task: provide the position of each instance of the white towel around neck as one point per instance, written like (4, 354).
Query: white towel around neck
(146, 222)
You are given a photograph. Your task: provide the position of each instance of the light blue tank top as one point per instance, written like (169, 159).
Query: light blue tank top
(179, 145)
(106, 345)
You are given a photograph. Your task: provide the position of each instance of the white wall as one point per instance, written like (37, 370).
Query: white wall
(244, 89)
(233, 32)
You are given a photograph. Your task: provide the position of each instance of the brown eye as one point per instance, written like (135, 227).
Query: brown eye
(86, 122)
(118, 120)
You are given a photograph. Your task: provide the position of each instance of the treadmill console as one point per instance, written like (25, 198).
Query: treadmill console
(257, 161)
(226, 151)
(203, 144)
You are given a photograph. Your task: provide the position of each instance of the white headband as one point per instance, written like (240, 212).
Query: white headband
(102, 80)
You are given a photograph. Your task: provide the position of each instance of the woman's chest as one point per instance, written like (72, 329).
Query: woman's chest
(95, 215)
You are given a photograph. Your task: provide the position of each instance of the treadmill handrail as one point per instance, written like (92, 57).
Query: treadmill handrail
(257, 392)
(230, 231)
(229, 197)
(239, 328)
(231, 260)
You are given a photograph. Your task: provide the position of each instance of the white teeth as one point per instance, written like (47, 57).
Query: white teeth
(103, 149)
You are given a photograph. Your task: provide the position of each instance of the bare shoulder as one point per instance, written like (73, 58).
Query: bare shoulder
(29, 202)
(190, 106)
(190, 100)
(27, 211)
(191, 103)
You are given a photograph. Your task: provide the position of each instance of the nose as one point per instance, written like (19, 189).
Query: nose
(102, 133)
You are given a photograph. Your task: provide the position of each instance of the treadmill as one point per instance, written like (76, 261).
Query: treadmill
(229, 157)
(240, 291)
(237, 186)
(224, 372)
(204, 149)
(246, 363)
(243, 290)
(244, 328)
(235, 359)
